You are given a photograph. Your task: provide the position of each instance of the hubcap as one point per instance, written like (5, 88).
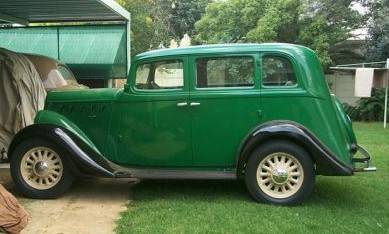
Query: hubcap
(41, 168)
(280, 175)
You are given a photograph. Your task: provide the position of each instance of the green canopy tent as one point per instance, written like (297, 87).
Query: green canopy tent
(90, 36)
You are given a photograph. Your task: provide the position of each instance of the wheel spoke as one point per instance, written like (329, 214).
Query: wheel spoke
(293, 167)
(54, 172)
(283, 159)
(294, 180)
(266, 168)
(294, 173)
(40, 155)
(52, 177)
(29, 160)
(45, 153)
(264, 173)
(267, 179)
(35, 156)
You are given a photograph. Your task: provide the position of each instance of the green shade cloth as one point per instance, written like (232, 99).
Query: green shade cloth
(91, 51)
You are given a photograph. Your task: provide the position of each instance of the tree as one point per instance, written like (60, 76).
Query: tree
(318, 24)
(185, 14)
(378, 28)
(142, 32)
(157, 22)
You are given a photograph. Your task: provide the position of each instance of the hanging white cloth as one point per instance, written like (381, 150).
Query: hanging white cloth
(363, 82)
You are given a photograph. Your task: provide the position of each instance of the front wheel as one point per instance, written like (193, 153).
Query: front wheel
(40, 170)
(280, 172)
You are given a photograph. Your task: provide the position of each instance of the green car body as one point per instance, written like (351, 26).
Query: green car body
(202, 132)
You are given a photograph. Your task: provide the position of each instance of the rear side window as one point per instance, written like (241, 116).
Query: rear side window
(160, 75)
(225, 72)
(277, 71)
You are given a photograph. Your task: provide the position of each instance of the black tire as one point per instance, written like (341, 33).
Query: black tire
(63, 182)
(269, 150)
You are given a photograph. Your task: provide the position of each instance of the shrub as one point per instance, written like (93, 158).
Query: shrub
(368, 109)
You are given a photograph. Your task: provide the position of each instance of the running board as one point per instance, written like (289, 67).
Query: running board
(175, 174)
(4, 166)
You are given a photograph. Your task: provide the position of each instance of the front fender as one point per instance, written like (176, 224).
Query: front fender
(84, 158)
(53, 118)
(326, 162)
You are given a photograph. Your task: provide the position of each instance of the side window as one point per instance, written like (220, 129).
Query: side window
(160, 75)
(277, 71)
(225, 72)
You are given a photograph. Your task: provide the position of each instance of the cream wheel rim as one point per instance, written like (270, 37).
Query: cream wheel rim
(41, 168)
(280, 175)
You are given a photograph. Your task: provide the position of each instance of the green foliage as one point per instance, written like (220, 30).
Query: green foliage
(316, 24)
(368, 109)
(378, 41)
(142, 32)
(156, 22)
(185, 14)
(279, 22)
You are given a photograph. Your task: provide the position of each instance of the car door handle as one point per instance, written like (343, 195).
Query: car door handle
(181, 104)
(195, 104)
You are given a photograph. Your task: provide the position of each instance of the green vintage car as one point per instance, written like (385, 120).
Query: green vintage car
(259, 112)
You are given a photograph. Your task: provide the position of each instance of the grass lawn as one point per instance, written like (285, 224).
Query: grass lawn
(357, 204)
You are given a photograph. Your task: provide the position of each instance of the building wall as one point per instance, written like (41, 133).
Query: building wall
(342, 84)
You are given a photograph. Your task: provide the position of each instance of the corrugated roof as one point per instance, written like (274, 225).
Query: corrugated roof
(27, 11)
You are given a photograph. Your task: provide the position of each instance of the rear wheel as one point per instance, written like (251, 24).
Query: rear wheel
(280, 172)
(40, 170)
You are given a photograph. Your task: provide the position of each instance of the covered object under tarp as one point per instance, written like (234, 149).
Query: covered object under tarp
(98, 51)
(22, 95)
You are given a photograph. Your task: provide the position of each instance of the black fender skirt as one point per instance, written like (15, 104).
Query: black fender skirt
(84, 159)
(326, 162)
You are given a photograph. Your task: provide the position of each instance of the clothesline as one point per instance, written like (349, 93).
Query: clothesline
(362, 71)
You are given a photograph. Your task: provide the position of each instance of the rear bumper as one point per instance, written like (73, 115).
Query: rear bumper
(362, 163)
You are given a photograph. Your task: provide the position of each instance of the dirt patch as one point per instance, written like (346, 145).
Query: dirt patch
(90, 206)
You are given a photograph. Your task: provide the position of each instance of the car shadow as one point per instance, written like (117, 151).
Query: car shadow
(329, 191)
(94, 189)
(199, 190)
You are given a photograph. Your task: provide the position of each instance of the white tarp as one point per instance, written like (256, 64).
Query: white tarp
(22, 95)
(363, 82)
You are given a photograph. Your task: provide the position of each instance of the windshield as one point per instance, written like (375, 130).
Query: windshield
(60, 78)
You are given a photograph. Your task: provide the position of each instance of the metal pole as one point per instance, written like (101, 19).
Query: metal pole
(386, 92)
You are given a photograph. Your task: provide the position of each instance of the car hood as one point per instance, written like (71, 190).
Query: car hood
(82, 95)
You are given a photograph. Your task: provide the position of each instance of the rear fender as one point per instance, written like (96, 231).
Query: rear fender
(326, 162)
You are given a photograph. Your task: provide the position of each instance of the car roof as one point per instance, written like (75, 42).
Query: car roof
(222, 48)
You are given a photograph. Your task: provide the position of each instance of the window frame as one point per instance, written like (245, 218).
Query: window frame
(293, 63)
(138, 63)
(252, 55)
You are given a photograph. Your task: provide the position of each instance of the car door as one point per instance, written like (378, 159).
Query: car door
(225, 106)
(154, 128)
